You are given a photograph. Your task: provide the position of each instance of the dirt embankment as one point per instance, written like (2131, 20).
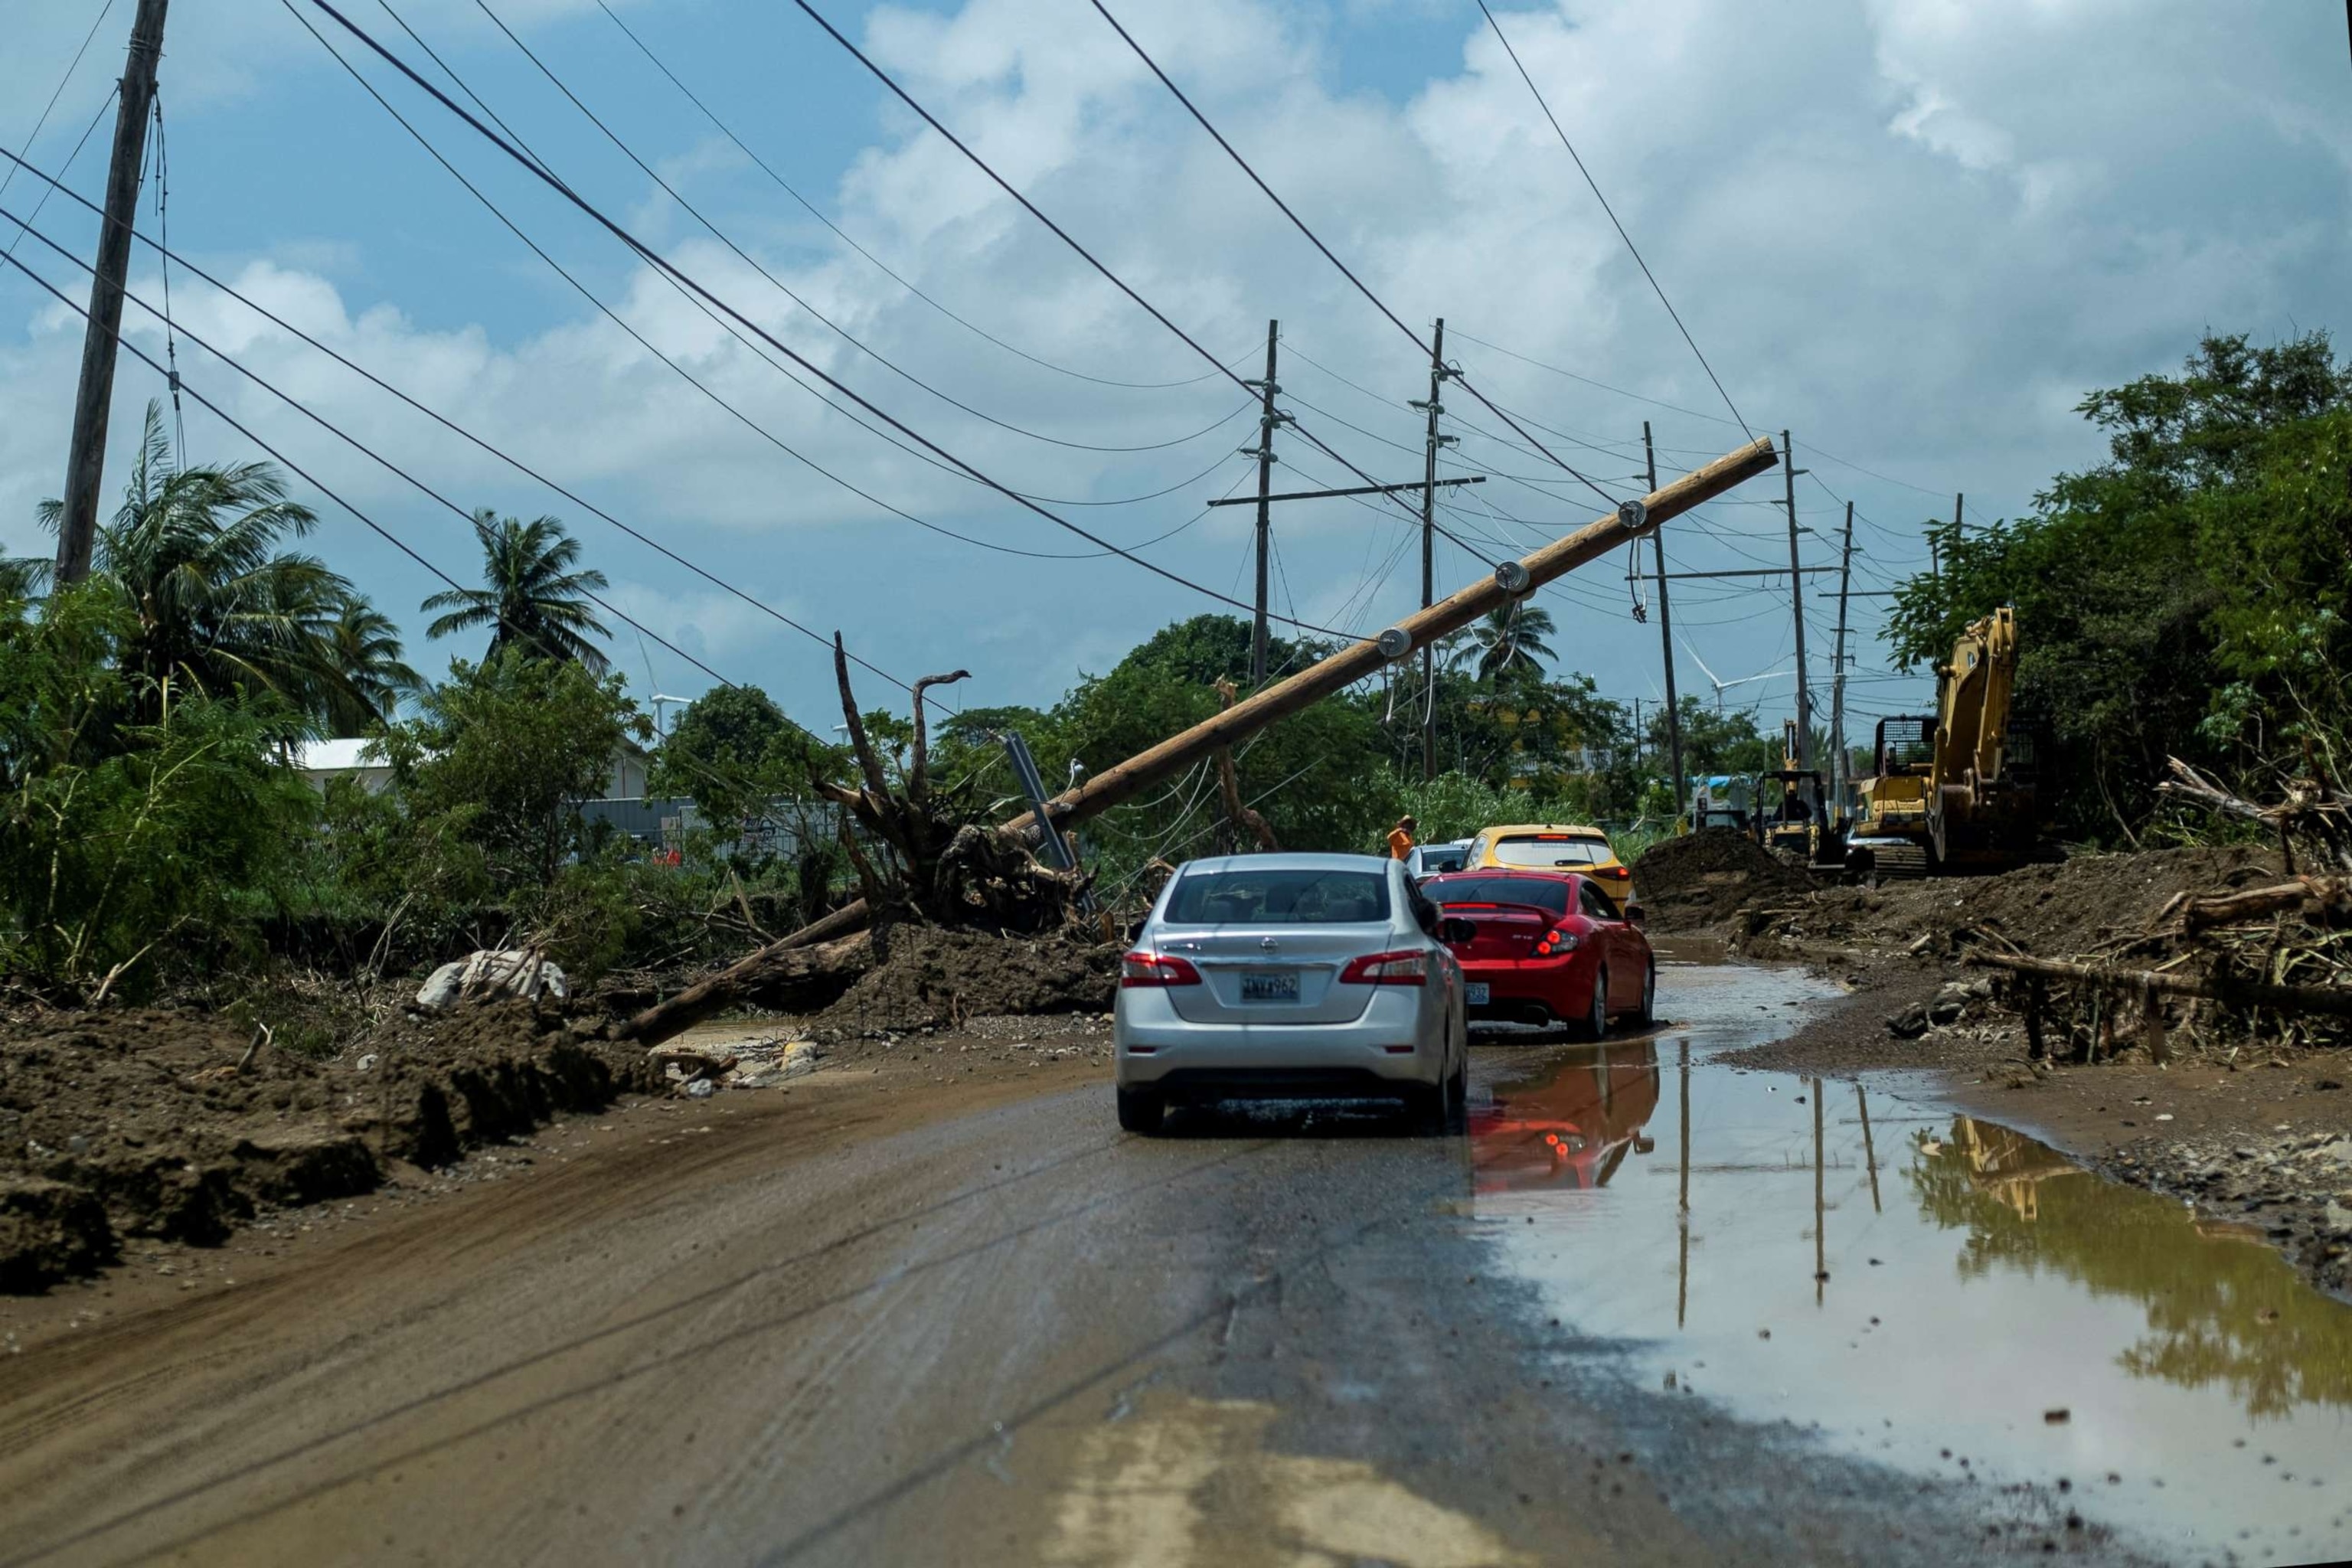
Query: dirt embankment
(174, 1124)
(2244, 1123)
(1698, 881)
(179, 1125)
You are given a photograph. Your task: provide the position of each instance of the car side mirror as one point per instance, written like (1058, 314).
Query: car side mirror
(1635, 914)
(1453, 928)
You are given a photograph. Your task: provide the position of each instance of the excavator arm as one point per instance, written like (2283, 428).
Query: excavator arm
(1971, 800)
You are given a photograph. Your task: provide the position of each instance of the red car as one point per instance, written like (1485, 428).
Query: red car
(1549, 948)
(1572, 1126)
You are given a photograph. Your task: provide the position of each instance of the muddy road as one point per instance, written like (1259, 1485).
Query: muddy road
(1654, 1308)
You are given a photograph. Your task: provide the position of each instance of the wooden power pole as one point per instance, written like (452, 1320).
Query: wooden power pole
(1789, 472)
(85, 456)
(1665, 627)
(1837, 680)
(1117, 785)
(1433, 407)
(1264, 452)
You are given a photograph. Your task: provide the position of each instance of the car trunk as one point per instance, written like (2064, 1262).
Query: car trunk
(1296, 980)
(1504, 931)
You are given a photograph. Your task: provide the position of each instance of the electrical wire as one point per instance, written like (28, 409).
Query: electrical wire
(1327, 254)
(784, 186)
(725, 325)
(1056, 229)
(108, 102)
(656, 259)
(1619, 227)
(785, 289)
(311, 479)
(63, 82)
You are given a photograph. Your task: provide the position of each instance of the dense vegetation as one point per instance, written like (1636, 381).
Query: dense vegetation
(2186, 597)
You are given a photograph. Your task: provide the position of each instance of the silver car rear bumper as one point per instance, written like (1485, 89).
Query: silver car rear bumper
(1157, 1048)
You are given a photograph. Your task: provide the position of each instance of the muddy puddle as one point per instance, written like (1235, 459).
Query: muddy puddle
(1921, 1289)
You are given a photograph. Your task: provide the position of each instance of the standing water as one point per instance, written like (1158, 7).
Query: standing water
(1932, 1291)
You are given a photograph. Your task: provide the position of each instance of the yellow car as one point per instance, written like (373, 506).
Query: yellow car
(1554, 846)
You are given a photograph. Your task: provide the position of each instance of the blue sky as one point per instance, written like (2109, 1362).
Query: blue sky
(1913, 234)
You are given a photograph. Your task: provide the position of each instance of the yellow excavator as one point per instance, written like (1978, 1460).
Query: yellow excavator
(1955, 792)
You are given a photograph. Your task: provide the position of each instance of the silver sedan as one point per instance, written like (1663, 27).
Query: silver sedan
(1292, 976)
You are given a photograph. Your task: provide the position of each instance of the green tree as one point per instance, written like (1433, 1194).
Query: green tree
(213, 605)
(1712, 743)
(535, 596)
(1510, 637)
(129, 836)
(502, 753)
(2182, 598)
(375, 677)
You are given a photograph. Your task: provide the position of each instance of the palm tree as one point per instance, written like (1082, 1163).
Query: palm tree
(1510, 637)
(367, 657)
(210, 600)
(534, 598)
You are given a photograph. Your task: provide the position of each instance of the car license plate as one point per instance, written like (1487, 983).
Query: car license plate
(1476, 990)
(1270, 987)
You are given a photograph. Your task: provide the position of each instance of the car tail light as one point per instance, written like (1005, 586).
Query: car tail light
(1155, 970)
(1387, 969)
(1620, 872)
(1556, 940)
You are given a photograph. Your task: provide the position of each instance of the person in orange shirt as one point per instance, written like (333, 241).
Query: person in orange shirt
(1401, 838)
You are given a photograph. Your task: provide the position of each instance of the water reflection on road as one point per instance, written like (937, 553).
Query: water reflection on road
(1927, 1289)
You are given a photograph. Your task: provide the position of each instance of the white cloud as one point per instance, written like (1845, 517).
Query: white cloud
(1914, 235)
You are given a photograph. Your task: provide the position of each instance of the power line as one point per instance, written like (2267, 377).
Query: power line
(1057, 230)
(781, 287)
(656, 259)
(1619, 227)
(680, 370)
(63, 82)
(784, 186)
(721, 322)
(312, 479)
(104, 104)
(1411, 336)
(515, 463)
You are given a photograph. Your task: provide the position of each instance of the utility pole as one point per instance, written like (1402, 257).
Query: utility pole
(1837, 681)
(1433, 407)
(86, 455)
(1665, 624)
(1264, 452)
(1796, 605)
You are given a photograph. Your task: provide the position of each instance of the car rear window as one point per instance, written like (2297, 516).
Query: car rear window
(1441, 859)
(1548, 849)
(1542, 892)
(1278, 897)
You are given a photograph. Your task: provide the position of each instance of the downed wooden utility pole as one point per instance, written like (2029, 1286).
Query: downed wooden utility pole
(1115, 786)
(2234, 993)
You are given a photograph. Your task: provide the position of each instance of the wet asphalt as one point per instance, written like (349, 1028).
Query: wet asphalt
(1644, 1312)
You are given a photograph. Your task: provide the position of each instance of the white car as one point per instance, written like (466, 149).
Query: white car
(1292, 976)
(1433, 859)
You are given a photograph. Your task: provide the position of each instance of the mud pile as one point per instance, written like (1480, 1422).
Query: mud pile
(176, 1124)
(1700, 879)
(926, 976)
(2053, 910)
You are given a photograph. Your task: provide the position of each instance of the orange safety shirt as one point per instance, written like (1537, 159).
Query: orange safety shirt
(1400, 843)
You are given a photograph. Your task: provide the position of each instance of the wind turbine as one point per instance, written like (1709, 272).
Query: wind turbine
(1720, 685)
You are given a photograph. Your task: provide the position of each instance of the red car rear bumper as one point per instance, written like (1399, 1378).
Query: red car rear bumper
(1533, 990)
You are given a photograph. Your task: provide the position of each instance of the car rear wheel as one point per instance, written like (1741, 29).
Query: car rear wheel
(1596, 1018)
(1649, 1013)
(1142, 1110)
